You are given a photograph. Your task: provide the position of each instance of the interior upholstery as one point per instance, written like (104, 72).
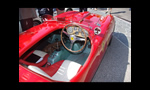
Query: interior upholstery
(66, 70)
(36, 57)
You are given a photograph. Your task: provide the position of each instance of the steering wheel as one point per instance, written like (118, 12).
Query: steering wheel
(73, 38)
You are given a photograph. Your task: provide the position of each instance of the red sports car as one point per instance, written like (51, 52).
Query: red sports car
(66, 48)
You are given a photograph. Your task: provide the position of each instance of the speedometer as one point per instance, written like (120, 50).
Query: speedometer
(69, 30)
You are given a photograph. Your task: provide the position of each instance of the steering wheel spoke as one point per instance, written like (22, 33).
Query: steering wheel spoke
(66, 33)
(80, 39)
(71, 45)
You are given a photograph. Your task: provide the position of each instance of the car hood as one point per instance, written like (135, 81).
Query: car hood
(86, 18)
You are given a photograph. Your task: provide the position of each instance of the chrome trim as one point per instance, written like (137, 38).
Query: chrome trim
(97, 32)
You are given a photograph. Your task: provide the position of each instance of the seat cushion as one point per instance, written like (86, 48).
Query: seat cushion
(36, 57)
(64, 71)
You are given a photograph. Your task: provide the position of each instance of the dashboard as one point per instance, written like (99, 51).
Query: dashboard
(75, 30)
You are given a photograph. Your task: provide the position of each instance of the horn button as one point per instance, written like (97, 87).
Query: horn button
(72, 38)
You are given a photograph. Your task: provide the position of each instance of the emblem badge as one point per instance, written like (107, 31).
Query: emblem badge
(72, 38)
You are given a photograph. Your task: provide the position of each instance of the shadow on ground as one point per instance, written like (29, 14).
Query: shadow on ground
(118, 12)
(114, 64)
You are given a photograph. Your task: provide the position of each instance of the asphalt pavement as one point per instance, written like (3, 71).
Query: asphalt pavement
(116, 63)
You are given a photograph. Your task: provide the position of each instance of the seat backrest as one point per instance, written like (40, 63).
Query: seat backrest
(38, 70)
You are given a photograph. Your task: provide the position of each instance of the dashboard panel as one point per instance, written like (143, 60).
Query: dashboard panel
(75, 30)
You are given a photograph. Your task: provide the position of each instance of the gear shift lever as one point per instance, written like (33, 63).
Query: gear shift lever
(57, 46)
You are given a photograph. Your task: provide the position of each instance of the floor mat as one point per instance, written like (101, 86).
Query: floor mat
(79, 58)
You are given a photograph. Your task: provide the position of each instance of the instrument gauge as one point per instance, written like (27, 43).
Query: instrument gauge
(79, 29)
(86, 33)
(69, 30)
(82, 34)
(76, 33)
(75, 28)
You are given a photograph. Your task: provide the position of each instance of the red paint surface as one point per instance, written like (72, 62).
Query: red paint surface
(30, 37)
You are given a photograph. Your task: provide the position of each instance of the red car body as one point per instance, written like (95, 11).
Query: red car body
(98, 42)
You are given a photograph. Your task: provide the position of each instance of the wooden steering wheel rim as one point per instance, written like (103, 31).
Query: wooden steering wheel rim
(69, 38)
